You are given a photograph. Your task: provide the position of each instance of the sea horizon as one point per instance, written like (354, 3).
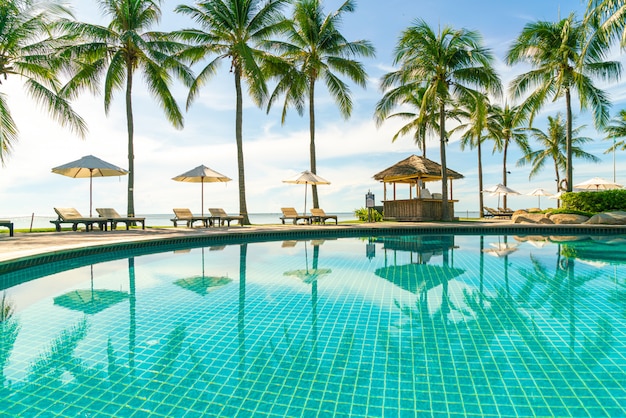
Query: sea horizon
(164, 219)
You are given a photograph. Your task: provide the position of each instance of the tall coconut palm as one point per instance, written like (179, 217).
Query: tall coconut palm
(26, 44)
(446, 64)
(472, 111)
(553, 148)
(116, 52)
(505, 126)
(408, 96)
(232, 30)
(315, 49)
(565, 59)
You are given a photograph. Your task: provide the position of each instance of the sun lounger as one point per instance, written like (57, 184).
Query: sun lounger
(318, 215)
(185, 215)
(498, 213)
(8, 224)
(73, 217)
(222, 217)
(112, 216)
(291, 213)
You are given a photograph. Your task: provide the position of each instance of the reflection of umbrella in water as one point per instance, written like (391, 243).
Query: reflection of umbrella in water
(201, 174)
(308, 275)
(203, 285)
(500, 249)
(90, 301)
(89, 166)
(418, 277)
(306, 177)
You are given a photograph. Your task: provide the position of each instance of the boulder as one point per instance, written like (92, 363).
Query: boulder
(533, 218)
(608, 218)
(533, 210)
(567, 218)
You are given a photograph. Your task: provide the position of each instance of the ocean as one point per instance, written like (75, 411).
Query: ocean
(163, 219)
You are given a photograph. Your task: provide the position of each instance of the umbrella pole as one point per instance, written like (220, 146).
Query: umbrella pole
(305, 185)
(202, 197)
(90, 191)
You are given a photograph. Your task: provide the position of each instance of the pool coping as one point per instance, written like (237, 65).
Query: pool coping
(37, 249)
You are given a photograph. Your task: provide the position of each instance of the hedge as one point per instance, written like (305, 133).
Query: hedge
(595, 202)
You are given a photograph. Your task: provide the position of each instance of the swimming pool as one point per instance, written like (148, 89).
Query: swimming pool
(361, 326)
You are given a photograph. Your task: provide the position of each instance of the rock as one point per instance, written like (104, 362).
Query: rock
(608, 218)
(533, 210)
(567, 218)
(533, 218)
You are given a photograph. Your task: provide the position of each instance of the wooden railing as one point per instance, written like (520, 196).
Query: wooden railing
(416, 209)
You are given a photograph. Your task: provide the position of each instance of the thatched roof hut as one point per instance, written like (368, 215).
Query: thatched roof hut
(412, 169)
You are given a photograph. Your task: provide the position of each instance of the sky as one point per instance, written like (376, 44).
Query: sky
(349, 152)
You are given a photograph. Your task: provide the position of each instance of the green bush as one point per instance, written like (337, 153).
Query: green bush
(595, 202)
(569, 212)
(361, 215)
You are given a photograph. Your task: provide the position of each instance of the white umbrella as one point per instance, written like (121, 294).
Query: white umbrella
(89, 166)
(499, 189)
(539, 192)
(557, 196)
(201, 174)
(597, 183)
(306, 177)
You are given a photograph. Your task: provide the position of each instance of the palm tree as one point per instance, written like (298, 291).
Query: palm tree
(564, 59)
(316, 50)
(412, 96)
(116, 52)
(553, 145)
(616, 129)
(505, 126)
(609, 20)
(446, 64)
(472, 108)
(232, 30)
(26, 44)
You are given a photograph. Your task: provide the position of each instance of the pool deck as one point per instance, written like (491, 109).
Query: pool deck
(28, 245)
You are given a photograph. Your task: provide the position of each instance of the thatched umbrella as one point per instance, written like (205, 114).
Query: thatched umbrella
(413, 169)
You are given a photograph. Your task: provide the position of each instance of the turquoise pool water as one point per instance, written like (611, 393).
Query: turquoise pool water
(371, 326)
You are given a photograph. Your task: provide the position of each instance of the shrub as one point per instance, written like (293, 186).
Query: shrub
(569, 212)
(362, 213)
(595, 202)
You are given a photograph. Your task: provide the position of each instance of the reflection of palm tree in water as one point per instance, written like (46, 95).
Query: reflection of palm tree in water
(470, 347)
(241, 318)
(9, 328)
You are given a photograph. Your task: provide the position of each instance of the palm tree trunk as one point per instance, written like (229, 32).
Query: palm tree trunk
(568, 140)
(444, 168)
(243, 208)
(131, 132)
(316, 203)
(558, 182)
(504, 172)
(480, 178)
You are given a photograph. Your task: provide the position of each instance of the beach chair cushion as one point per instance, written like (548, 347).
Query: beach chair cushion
(222, 217)
(320, 216)
(185, 215)
(291, 213)
(73, 217)
(112, 216)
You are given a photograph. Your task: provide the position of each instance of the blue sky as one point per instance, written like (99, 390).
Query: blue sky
(349, 152)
